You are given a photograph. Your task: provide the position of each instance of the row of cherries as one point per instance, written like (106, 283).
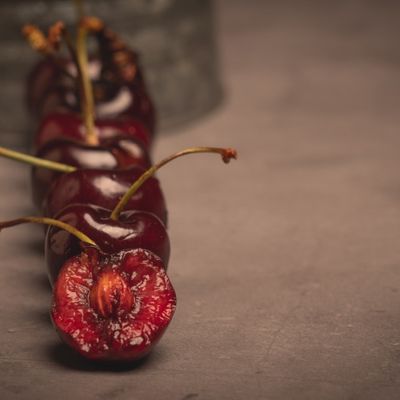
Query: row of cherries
(106, 247)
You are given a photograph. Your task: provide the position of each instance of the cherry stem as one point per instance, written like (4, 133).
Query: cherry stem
(86, 86)
(227, 154)
(35, 161)
(49, 221)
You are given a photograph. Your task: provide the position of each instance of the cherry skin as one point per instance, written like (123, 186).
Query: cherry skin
(113, 153)
(112, 100)
(105, 189)
(52, 91)
(70, 125)
(41, 78)
(113, 307)
(133, 229)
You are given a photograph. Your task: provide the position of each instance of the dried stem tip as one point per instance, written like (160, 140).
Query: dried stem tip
(42, 43)
(226, 153)
(92, 24)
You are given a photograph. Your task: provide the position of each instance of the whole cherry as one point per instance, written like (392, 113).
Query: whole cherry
(113, 153)
(109, 305)
(132, 229)
(105, 189)
(117, 88)
(70, 125)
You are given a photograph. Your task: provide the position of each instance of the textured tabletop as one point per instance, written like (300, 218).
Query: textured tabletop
(286, 262)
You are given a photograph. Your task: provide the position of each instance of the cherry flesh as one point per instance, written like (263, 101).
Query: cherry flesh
(105, 188)
(69, 125)
(113, 307)
(117, 152)
(134, 229)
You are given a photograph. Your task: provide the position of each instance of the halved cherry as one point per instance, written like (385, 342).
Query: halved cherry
(113, 307)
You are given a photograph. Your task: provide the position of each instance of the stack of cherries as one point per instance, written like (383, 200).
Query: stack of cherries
(106, 246)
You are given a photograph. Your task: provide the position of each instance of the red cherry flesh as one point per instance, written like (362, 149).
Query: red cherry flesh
(41, 78)
(113, 307)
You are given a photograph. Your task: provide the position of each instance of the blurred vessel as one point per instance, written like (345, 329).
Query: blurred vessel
(175, 38)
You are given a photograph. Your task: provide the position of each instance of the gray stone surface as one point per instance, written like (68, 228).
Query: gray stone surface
(286, 263)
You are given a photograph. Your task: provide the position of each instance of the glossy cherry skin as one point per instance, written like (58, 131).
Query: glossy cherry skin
(134, 229)
(50, 90)
(112, 100)
(113, 307)
(105, 189)
(70, 125)
(114, 153)
(41, 78)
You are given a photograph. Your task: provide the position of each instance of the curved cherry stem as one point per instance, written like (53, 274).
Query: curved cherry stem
(226, 153)
(49, 221)
(35, 161)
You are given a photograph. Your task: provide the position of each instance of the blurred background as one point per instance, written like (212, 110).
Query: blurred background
(175, 38)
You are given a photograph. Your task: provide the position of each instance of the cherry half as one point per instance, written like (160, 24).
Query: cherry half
(113, 307)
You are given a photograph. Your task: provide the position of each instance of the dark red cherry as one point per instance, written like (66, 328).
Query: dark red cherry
(70, 125)
(134, 229)
(117, 152)
(113, 307)
(105, 189)
(53, 89)
(112, 100)
(41, 78)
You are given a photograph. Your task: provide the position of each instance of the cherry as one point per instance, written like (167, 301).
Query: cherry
(41, 78)
(113, 153)
(118, 86)
(133, 229)
(112, 100)
(105, 188)
(70, 125)
(113, 307)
